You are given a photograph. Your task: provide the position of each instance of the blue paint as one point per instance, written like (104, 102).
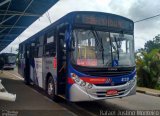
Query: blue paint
(115, 63)
(115, 79)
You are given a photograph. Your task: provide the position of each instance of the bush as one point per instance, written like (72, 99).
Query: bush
(148, 68)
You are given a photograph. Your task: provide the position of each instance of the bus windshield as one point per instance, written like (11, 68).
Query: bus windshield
(102, 49)
(11, 59)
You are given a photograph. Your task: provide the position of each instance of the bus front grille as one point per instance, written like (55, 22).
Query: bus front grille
(115, 84)
(104, 93)
(105, 72)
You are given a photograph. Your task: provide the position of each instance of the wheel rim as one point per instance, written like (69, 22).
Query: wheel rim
(50, 88)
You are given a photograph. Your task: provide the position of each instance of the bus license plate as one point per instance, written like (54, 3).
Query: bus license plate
(112, 92)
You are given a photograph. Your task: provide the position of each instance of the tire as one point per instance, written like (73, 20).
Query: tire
(50, 89)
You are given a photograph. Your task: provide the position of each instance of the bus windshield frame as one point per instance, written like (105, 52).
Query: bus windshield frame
(96, 48)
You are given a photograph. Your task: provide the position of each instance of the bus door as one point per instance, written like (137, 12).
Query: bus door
(27, 64)
(32, 62)
(61, 60)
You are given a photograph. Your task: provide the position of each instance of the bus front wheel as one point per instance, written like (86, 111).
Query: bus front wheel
(51, 89)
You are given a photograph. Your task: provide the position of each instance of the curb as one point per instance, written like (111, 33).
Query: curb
(149, 93)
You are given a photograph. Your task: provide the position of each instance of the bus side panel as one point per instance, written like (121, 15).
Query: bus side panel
(48, 69)
(38, 72)
(22, 60)
(33, 70)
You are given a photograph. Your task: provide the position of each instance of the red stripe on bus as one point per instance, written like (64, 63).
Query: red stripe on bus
(98, 80)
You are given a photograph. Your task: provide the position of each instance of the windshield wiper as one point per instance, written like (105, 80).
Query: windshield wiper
(117, 46)
(96, 35)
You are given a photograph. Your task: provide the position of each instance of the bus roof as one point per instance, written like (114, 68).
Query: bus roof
(69, 18)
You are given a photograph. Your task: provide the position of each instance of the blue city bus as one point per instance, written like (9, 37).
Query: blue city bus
(9, 60)
(83, 56)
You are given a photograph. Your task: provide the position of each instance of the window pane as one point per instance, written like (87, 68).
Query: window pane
(50, 39)
(40, 51)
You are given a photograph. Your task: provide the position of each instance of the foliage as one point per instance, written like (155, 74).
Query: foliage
(148, 64)
(152, 44)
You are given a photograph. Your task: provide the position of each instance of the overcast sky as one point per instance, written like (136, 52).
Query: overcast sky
(133, 9)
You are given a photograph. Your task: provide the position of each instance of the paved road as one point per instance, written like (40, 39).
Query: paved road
(28, 102)
(136, 102)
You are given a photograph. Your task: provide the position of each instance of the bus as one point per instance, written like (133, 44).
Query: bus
(9, 60)
(83, 56)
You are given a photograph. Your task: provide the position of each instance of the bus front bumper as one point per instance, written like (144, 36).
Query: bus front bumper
(9, 66)
(78, 93)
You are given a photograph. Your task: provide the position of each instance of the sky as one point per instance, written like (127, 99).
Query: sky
(132, 9)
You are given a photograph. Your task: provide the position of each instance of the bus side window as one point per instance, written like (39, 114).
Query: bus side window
(50, 45)
(36, 52)
(38, 49)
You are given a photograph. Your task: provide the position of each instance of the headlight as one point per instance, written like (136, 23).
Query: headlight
(77, 80)
(80, 82)
(90, 86)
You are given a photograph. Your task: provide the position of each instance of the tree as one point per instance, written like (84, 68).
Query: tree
(148, 68)
(152, 44)
(149, 46)
(148, 63)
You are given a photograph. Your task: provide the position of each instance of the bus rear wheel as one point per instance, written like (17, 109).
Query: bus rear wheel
(51, 89)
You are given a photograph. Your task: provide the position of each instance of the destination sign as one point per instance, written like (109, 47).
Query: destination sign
(108, 20)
